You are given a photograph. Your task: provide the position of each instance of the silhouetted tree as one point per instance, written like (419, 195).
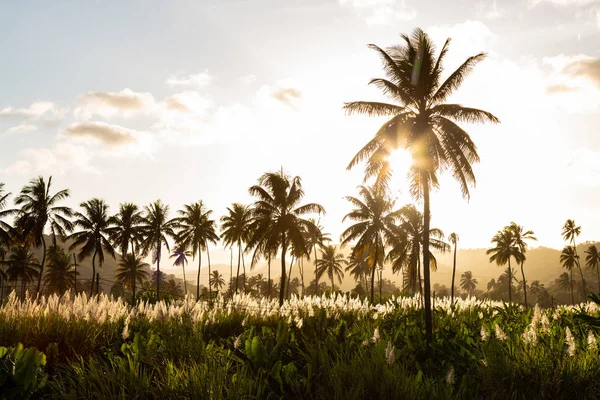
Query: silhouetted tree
(235, 229)
(520, 236)
(569, 232)
(22, 265)
(131, 271)
(569, 259)
(332, 264)
(468, 283)
(60, 275)
(592, 261)
(180, 254)
(453, 239)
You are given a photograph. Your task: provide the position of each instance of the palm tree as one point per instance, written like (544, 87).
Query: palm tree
(38, 209)
(195, 231)
(216, 280)
(236, 230)
(359, 265)
(520, 236)
(375, 226)
(130, 271)
(564, 283)
(592, 260)
(278, 216)
(156, 228)
(332, 264)
(453, 238)
(423, 124)
(126, 231)
(61, 274)
(407, 247)
(93, 238)
(505, 248)
(316, 239)
(173, 288)
(569, 259)
(22, 265)
(6, 231)
(569, 232)
(180, 254)
(491, 285)
(468, 283)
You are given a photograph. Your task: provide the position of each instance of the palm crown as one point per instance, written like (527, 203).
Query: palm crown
(126, 233)
(332, 264)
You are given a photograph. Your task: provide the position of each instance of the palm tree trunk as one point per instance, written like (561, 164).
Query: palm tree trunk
(198, 277)
(42, 265)
(209, 288)
(373, 271)
(133, 286)
(231, 271)
(380, 283)
(244, 268)
(572, 295)
(23, 288)
(598, 274)
(158, 272)
(332, 285)
(289, 278)
(301, 269)
(584, 290)
(316, 277)
(269, 273)
(453, 275)
(237, 278)
(426, 222)
(282, 283)
(509, 282)
(93, 273)
(184, 280)
(524, 284)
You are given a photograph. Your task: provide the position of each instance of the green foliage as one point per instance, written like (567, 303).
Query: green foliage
(21, 372)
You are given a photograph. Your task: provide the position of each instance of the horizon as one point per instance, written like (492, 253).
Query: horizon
(171, 114)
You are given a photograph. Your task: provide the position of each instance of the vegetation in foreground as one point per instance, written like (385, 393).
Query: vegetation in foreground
(315, 347)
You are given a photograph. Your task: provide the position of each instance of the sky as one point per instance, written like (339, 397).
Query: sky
(194, 100)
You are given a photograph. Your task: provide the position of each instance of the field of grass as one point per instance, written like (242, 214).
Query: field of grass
(316, 348)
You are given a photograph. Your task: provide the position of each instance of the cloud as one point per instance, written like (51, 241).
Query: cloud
(381, 12)
(21, 128)
(248, 79)
(188, 102)
(45, 111)
(110, 135)
(490, 10)
(286, 95)
(533, 3)
(200, 79)
(586, 67)
(125, 103)
(560, 88)
(574, 82)
(61, 158)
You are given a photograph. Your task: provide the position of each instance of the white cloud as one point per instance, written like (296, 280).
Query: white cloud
(381, 12)
(533, 3)
(490, 10)
(200, 79)
(110, 135)
(125, 103)
(248, 79)
(46, 111)
(61, 158)
(21, 128)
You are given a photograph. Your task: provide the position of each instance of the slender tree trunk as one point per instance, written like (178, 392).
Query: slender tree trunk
(572, 295)
(453, 275)
(1, 291)
(158, 272)
(373, 270)
(427, 282)
(231, 271)
(269, 273)
(282, 288)
(509, 282)
(209, 288)
(97, 283)
(237, 278)
(133, 286)
(75, 264)
(301, 269)
(419, 285)
(332, 285)
(93, 273)
(42, 265)
(198, 277)
(316, 277)
(289, 278)
(380, 284)
(184, 280)
(244, 268)
(583, 288)
(524, 284)
(598, 274)
(23, 288)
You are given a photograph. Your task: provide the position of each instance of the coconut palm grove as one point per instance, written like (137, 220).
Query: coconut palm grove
(100, 301)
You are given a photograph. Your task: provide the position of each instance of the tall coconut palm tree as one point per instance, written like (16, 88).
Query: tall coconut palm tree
(60, 275)
(216, 280)
(39, 209)
(453, 239)
(491, 285)
(468, 283)
(520, 236)
(407, 247)
(22, 265)
(127, 232)
(156, 229)
(359, 265)
(564, 283)
(504, 249)
(132, 270)
(317, 239)
(569, 259)
(375, 226)
(592, 260)
(278, 216)
(570, 231)
(195, 231)
(180, 254)
(331, 263)
(422, 123)
(235, 229)
(96, 227)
